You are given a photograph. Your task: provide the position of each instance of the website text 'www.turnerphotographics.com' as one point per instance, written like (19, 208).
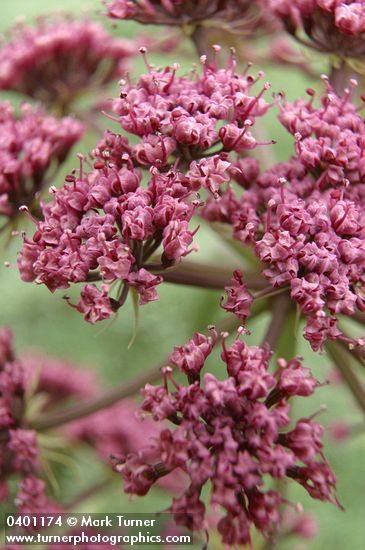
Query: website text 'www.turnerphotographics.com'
(77, 529)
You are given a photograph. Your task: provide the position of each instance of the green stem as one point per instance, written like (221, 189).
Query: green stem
(110, 397)
(199, 40)
(209, 276)
(269, 291)
(357, 353)
(340, 77)
(342, 359)
(359, 317)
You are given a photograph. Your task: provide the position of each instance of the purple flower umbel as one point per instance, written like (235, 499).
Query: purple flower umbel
(333, 26)
(105, 224)
(305, 217)
(231, 434)
(178, 12)
(29, 146)
(59, 58)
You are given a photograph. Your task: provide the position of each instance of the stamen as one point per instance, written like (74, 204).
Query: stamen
(270, 205)
(143, 50)
(216, 49)
(175, 67)
(256, 99)
(231, 65)
(81, 159)
(167, 372)
(25, 209)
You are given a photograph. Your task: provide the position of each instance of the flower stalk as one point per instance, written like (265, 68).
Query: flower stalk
(279, 318)
(209, 276)
(342, 360)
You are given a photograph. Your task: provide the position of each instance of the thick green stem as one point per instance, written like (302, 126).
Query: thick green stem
(109, 398)
(359, 317)
(340, 77)
(357, 353)
(209, 276)
(201, 44)
(342, 359)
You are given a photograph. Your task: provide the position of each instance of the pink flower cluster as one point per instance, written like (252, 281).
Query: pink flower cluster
(19, 450)
(232, 433)
(59, 58)
(30, 145)
(334, 26)
(177, 12)
(305, 217)
(199, 120)
(57, 379)
(105, 225)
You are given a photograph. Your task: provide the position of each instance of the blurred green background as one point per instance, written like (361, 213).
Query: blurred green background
(42, 320)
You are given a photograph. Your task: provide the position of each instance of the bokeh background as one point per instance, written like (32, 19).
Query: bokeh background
(41, 320)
